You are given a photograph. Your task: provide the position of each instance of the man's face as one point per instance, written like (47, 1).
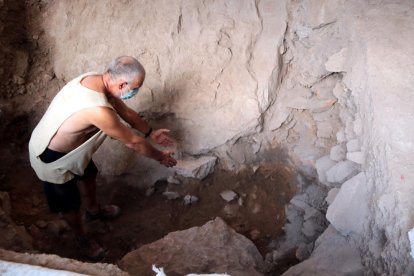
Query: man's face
(128, 90)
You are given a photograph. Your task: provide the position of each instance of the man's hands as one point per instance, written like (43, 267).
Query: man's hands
(167, 160)
(160, 136)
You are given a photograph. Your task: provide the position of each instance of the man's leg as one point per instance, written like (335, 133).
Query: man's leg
(87, 188)
(65, 199)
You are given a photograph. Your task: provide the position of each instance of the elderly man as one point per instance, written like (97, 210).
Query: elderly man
(74, 126)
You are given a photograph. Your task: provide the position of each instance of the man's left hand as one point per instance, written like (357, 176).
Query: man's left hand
(161, 137)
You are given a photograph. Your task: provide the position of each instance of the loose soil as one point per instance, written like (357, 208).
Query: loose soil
(259, 214)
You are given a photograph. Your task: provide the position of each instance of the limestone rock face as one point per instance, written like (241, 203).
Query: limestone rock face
(211, 248)
(208, 64)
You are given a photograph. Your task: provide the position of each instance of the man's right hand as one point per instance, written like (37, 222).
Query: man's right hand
(167, 160)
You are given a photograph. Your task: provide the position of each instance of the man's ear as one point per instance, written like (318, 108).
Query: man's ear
(122, 84)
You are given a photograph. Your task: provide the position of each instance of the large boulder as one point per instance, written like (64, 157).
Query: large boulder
(211, 248)
(333, 255)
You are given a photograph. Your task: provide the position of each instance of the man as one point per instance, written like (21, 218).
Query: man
(74, 126)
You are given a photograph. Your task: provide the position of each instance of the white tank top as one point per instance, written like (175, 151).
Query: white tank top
(72, 98)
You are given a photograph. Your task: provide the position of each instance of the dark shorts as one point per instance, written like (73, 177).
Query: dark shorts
(64, 197)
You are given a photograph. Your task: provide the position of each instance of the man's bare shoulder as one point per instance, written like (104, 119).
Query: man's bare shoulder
(93, 82)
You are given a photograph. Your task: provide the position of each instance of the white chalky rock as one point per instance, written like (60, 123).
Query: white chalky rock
(350, 209)
(340, 93)
(336, 62)
(171, 195)
(228, 195)
(340, 136)
(353, 145)
(358, 126)
(338, 153)
(341, 172)
(189, 199)
(357, 157)
(322, 165)
(172, 179)
(196, 168)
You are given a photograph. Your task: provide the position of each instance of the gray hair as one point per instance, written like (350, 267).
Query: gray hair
(125, 67)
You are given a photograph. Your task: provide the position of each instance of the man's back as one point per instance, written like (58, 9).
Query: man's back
(76, 129)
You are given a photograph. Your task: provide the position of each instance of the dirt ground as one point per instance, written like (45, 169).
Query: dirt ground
(144, 219)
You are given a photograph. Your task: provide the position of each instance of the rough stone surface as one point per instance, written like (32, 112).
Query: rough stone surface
(196, 168)
(338, 153)
(348, 212)
(322, 165)
(332, 255)
(211, 248)
(251, 79)
(341, 171)
(228, 195)
(357, 157)
(233, 52)
(353, 145)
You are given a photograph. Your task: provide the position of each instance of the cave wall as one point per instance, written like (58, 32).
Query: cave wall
(321, 84)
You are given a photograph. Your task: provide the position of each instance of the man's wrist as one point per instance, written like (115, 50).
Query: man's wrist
(148, 133)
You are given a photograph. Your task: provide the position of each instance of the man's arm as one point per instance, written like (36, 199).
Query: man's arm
(106, 119)
(160, 136)
(130, 116)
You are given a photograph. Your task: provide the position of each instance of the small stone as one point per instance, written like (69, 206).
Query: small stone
(240, 201)
(358, 127)
(341, 172)
(322, 165)
(357, 157)
(255, 168)
(353, 145)
(189, 199)
(299, 201)
(336, 62)
(196, 168)
(171, 195)
(340, 136)
(338, 153)
(309, 229)
(47, 77)
(173, 180)
(228, 195)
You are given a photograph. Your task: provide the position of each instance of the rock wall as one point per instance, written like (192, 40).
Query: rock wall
(321, 85)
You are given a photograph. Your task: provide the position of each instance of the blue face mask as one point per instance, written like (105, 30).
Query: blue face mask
(130, 94)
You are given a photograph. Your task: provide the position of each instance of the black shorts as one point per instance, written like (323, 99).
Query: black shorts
(64, 197)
